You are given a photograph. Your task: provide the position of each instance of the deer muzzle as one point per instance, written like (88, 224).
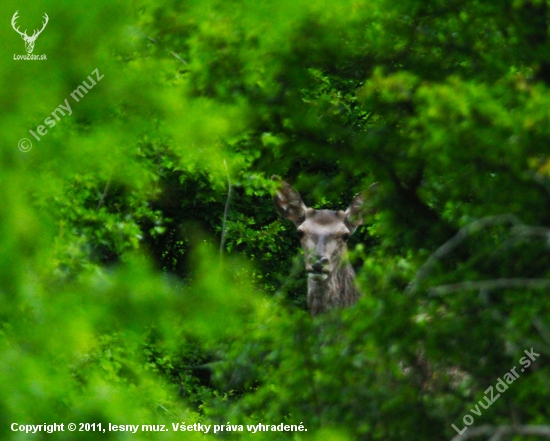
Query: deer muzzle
(319, 269)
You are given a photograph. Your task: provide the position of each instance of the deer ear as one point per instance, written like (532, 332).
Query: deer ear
(288, 202)
(355, 211)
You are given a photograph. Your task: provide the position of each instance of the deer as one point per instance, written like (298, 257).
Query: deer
(29, 41)
(323, 235)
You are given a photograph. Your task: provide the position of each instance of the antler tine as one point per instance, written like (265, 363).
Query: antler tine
(37, 33)
(15, 17)
(46, 22)
(16, 29)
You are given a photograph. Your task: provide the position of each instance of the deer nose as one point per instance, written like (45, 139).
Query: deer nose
(318, 266)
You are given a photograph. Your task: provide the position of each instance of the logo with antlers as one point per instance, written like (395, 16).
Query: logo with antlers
(29, 41)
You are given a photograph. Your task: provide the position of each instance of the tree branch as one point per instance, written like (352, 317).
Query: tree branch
(488, 285)
(497, 432)
(176, 56)
(456, 240)
(104, 195)
(226, 210)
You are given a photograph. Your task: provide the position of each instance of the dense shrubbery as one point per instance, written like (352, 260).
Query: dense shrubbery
(115, 303)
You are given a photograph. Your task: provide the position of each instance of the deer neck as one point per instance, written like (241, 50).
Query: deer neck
(336, 291)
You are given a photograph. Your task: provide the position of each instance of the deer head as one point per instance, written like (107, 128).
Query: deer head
(323, 233)
(29, 41)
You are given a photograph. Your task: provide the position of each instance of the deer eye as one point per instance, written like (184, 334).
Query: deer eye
(300, 234)
(345, 237)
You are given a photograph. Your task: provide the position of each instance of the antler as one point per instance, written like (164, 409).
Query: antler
(37, 33)
(24, 34)
(16, 29)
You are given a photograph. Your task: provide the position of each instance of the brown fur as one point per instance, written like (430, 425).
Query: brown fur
(338, 291)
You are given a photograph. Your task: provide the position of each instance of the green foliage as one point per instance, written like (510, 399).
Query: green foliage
(116, 305)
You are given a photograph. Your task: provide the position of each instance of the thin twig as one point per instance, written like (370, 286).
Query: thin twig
(162, 407)
(523, 233)
(456, 240)
(104, 195)
(489, 285)
(498, 431)
(226, 211)
(526, 230)
(175, 55)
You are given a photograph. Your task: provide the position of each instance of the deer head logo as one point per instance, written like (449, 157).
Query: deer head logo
(29, 41)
